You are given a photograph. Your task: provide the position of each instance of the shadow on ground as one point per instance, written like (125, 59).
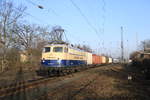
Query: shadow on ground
(137, 90)
(23, 93)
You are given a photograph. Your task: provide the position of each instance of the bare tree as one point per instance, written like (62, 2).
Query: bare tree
(145, 45)
(25, 35)
(16, 36)
(26, 38)
(31, 39)
(134, 55)
(87, 48)
(84, 47)
(9, 16)
(44, 36)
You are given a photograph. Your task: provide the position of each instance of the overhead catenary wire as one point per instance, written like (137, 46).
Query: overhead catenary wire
(103, 16)
(74, 37)
(48, 10)
(39, 6)
(52, 10)
(84, 17)
(29, 1)
(37, 19)
(69, 24)
(42, 7)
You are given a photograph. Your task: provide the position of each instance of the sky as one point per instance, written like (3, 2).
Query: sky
(96, 23)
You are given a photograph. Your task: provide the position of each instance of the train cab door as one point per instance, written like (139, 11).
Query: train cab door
(66, 56)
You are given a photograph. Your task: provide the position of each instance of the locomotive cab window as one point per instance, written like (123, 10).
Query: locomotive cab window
(57, 49)
(47, 49)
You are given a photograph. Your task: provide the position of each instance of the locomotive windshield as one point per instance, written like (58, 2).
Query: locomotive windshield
(47, 49)
(57, 49)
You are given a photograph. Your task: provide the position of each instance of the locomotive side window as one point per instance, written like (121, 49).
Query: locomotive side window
(47, 49)
(57, 49)
(66, 50)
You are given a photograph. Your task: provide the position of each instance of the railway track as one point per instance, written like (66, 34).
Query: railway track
(109, 68)
(121, 80)
(19, 87)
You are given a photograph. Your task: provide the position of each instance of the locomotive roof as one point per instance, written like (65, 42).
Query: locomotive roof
(70, 46)
(56, 45)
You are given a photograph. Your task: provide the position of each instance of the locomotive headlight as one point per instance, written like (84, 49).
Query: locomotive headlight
(43, 60)
(59, 62)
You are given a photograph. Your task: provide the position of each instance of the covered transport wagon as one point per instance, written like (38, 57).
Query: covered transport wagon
(110, 60)
(96, 59)
(103, 59)
(89, 58)
(115, 60)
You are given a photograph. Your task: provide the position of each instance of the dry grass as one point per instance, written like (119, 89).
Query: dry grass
(99, 85)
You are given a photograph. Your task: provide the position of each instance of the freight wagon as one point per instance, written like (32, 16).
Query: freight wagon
(110, 60)
(89, 58)
(96, 59)
(103, 59)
